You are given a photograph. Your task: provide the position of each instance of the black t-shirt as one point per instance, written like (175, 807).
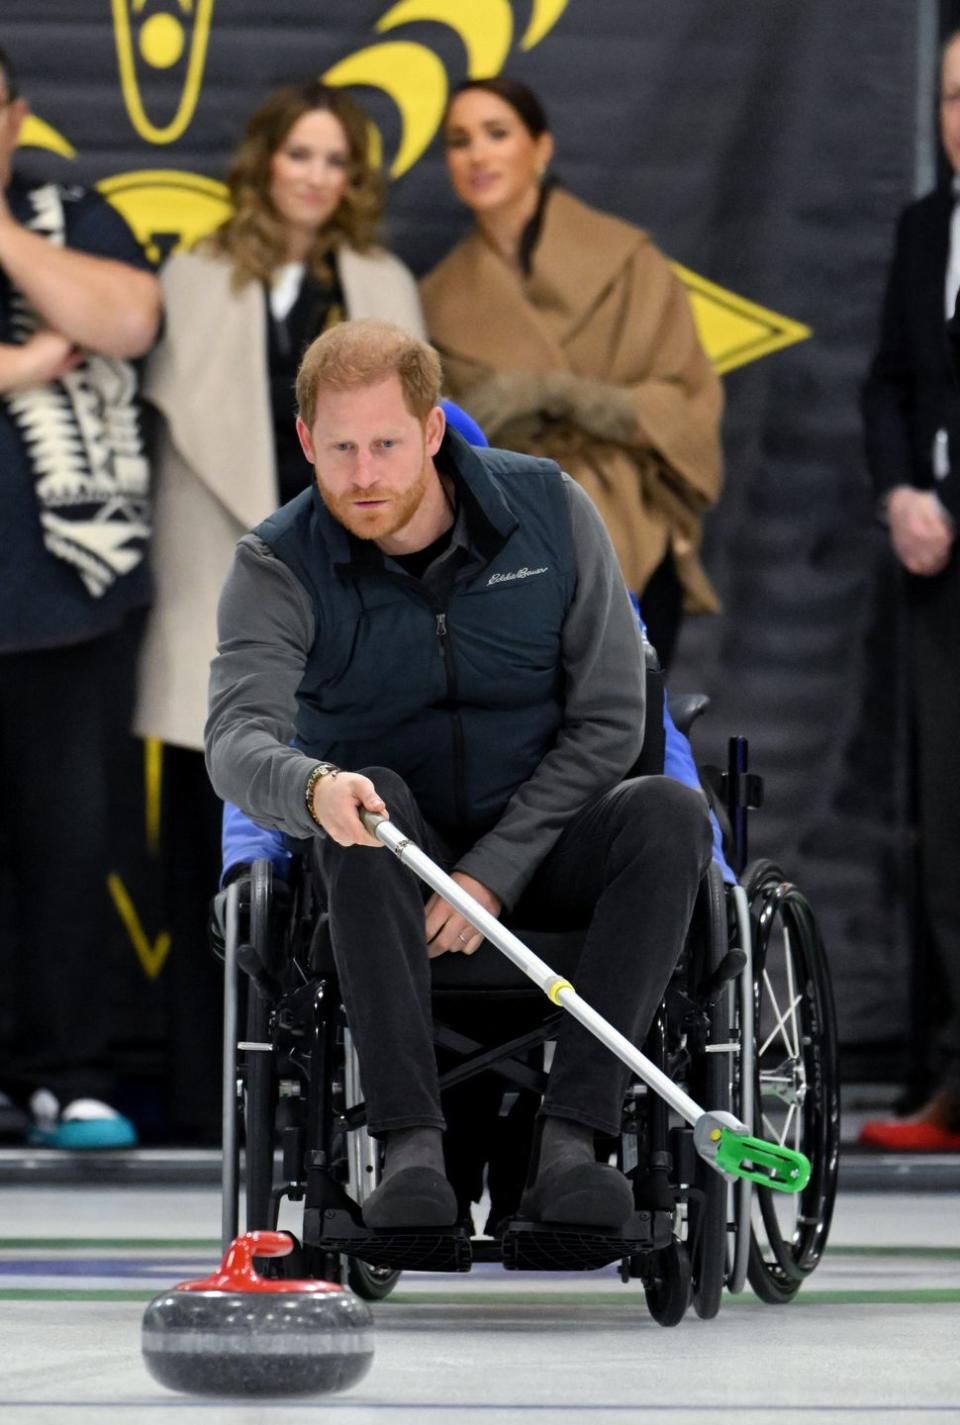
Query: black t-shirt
(419, 562)
(43, 601)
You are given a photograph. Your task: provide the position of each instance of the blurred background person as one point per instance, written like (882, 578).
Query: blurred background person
(565, 333)
(911, 411)
(78, 303)
(298, 254)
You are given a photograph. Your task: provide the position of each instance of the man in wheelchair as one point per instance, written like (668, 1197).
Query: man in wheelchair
(444, 633)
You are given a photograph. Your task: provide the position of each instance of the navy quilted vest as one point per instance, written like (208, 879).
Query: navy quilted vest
(460, 692)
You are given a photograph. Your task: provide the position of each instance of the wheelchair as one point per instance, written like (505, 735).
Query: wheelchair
(746, 1025)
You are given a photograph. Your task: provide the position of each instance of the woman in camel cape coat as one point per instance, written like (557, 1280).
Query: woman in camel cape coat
(570, 359)
(580, 347)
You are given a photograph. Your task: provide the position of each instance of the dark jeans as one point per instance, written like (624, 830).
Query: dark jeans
(63, 713)
(628, 866)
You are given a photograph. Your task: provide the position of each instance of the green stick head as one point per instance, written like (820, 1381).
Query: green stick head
(768, 1164)
(728, 1146)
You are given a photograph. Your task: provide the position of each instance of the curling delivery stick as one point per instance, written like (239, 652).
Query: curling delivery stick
(719, 1137)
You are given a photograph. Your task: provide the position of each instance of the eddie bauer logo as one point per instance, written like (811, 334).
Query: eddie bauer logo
(516, 574)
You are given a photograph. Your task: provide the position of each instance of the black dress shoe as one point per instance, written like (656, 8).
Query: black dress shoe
(585, 1195)
(412, 1197)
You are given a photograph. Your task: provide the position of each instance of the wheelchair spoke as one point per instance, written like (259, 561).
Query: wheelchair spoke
(792, 995)
(780, 1027)
(791, 1119)
(769, 1126)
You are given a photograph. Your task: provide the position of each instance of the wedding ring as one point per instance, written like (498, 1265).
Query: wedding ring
(463, 938)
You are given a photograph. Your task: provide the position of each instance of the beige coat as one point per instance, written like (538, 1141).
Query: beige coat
(593, 359)
(214, 463)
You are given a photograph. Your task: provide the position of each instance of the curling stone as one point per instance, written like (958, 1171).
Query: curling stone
(237, 1333)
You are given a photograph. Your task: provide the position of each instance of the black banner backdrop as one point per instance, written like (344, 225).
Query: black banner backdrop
(767, 145)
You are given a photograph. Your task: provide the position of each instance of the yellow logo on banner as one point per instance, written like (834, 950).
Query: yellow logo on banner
(167, 208)
(733, 330)
(161, 41)
(415, 79)
(37, 134)
(484, 26)
(170, 208)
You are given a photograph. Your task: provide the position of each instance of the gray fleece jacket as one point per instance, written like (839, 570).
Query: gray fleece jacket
(266, 634)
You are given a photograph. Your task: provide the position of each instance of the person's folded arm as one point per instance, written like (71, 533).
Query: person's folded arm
(265, 633)
(601, 734)
(98, 303)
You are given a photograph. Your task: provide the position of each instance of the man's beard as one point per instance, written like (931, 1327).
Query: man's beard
(375, 524)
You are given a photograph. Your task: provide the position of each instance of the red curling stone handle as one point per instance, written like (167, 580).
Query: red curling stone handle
(237, 1273)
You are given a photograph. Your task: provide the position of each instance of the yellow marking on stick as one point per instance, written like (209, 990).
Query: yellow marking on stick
(554, 988)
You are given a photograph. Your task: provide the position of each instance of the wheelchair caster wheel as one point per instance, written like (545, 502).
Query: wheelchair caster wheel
(667, 1279)
(237, 1333)
(370, 1283)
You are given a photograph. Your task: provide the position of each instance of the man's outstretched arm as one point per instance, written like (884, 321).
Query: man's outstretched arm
(266, 630)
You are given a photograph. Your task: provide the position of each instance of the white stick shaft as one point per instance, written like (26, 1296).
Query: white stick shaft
(536, 969)
(643, 1067)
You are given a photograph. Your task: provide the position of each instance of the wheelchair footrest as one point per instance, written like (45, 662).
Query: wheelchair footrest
(402, 1249)
(524, 1245)
(557, 1247)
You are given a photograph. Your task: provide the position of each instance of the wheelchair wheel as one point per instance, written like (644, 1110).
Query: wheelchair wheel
(707, 1203)
(666, 1281)
(796, 1086)
(372, 1283)
(260, 1089)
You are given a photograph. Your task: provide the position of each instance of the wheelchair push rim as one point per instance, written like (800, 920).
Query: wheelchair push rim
(796, 1083)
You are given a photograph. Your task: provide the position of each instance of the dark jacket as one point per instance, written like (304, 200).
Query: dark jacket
(454, 683)
(910, 393)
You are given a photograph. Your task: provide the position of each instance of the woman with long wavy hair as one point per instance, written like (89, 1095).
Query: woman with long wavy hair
(298, 253)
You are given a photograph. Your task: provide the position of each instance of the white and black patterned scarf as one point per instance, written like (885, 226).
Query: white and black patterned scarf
(83, 440)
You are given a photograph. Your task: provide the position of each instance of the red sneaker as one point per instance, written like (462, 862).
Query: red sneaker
(908, 1135)
(934, 1129)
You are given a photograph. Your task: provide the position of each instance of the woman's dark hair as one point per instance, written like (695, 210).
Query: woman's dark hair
(522, 100)
(253, 237)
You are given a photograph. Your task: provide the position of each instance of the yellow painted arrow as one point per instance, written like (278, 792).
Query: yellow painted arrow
(734, 330)
(152, 957)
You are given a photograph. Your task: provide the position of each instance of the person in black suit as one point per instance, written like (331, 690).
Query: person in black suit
(911, 410)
